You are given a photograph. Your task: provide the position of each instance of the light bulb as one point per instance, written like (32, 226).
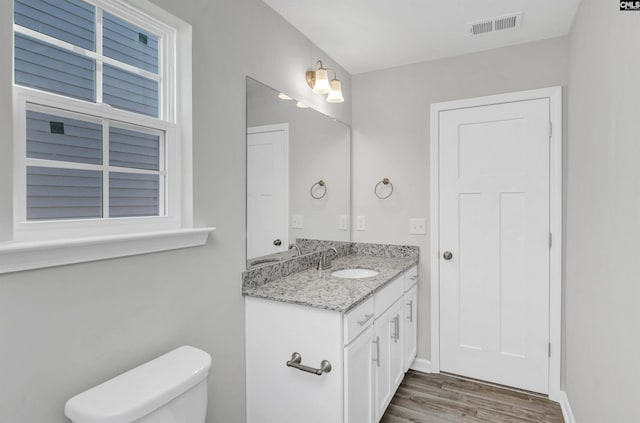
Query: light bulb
(335, 95)
(321, 85)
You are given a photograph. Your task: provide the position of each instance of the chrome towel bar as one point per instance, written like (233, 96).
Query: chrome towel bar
(296, 360)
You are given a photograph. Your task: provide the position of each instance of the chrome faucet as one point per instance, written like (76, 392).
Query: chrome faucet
(325, 262)
(292, 246)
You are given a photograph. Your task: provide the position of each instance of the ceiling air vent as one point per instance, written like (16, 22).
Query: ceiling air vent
(499, 23)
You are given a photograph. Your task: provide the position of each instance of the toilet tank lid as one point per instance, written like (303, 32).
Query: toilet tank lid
(140, 391)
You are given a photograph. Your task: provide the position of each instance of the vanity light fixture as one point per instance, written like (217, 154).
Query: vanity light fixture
(283, 96)
(301, 105)
(318, 80)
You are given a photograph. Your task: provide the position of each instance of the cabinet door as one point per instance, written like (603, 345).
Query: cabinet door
(277, 393)
(359, 380)
(388, 357)
(410, 330)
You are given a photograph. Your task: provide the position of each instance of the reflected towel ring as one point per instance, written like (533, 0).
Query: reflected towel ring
(320, 184)
(385, 181)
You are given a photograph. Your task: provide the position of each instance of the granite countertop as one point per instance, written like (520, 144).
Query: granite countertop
(315, 288)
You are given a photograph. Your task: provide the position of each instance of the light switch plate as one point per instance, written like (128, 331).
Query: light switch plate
(297, 221)
(361, 223)
(343, 223)
(417, 226)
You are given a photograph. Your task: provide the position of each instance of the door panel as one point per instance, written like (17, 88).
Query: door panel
(267, 190)
(494, 219)
(382, 367)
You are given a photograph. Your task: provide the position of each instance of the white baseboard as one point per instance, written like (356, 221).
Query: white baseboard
(421, 365)
(566, 408)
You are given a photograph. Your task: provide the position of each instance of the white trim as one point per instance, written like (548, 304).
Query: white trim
(554, 94)
(567, 413)
(19, 256)
(421, 365)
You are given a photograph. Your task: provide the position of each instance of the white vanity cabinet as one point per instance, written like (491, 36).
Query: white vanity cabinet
(367, 348)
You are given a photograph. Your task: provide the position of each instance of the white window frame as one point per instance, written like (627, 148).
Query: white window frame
(26, 98)
(35, 245)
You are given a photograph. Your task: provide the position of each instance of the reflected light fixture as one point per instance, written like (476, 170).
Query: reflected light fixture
(301, 105)
(283, 96)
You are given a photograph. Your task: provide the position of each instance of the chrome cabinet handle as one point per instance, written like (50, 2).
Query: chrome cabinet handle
(296, 360)
(367, 317)
(377, 342)
(396, 329)
(414, 277)
(410, 304)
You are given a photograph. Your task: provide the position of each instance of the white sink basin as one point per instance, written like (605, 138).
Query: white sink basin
(354, 273)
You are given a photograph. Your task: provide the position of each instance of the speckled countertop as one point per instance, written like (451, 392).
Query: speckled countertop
(319, 289)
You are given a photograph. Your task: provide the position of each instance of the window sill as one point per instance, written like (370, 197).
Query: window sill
(16, 256)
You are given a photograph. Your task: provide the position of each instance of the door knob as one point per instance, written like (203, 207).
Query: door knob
(277, 242)
(447, 255)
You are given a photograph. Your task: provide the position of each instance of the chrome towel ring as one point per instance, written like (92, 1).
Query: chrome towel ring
(384, 181)
(321, 186)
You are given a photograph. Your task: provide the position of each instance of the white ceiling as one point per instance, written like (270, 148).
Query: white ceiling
(367, 35)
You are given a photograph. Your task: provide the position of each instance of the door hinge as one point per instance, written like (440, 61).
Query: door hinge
(549, 349)
(550, 240)
(550, 129)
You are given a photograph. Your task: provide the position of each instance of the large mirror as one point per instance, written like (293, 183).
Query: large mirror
(298, 175)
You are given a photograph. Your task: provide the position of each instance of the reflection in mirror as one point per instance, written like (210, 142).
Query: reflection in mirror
(298, 175)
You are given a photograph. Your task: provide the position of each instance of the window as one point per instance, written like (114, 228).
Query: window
(97, 138)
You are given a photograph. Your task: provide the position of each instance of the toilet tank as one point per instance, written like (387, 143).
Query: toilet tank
(169, 389)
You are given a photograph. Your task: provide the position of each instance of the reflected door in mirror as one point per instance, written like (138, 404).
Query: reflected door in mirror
(267, 189)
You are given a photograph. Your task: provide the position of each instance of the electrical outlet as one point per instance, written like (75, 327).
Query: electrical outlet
(417, 226)
(297, 221)
(361, 223)
(343, 223)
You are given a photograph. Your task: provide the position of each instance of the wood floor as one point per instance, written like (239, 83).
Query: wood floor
(437, 398)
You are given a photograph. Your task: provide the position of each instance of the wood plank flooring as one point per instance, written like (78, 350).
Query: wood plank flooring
(438, 398)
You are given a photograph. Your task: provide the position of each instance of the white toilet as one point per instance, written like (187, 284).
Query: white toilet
(170, 389)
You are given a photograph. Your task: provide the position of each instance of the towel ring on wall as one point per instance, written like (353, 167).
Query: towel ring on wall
(384, 181)
(319, 184)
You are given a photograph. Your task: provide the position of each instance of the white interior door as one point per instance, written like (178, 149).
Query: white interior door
(494, 220)
(267, 190)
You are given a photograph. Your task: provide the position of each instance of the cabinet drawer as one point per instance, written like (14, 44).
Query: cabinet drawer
(358, 320)
(389, 295)
(410, 278)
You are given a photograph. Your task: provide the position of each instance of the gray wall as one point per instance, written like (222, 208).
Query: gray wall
(391, 135)
(603, 215)
(65, 329)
